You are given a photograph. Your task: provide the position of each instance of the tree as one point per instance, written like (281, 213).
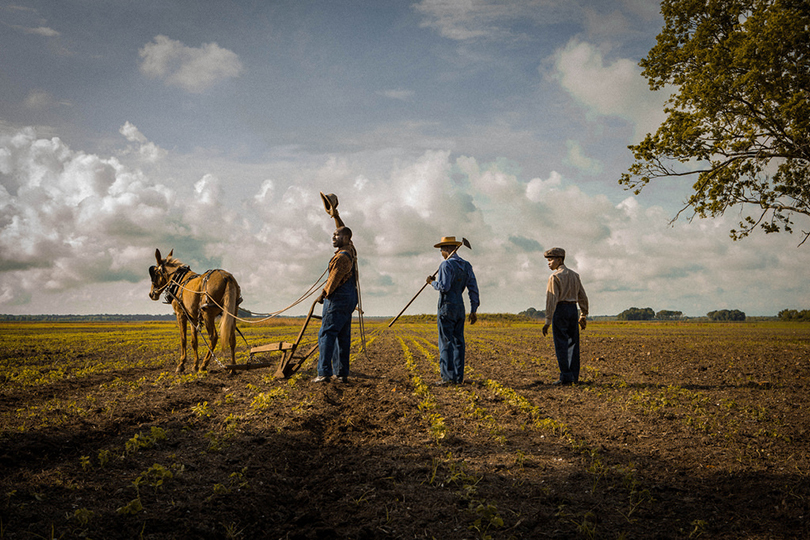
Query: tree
(667, 315)
(726, 315)
(637, 314)
(533, 313)
(794, 315)
(739, 118)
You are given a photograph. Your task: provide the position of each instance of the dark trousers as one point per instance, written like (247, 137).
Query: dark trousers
(451, 342)
(335, 335)
(565, 329)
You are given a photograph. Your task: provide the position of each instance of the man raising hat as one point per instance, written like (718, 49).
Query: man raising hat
(563, 292)
(454, 275)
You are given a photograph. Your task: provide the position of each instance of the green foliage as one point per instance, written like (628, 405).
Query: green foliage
(726, 315)
(667, 315)
(533, 313)
(740, 113)
(794, 315)
(156, 434)
(637, 314)
(202, 409)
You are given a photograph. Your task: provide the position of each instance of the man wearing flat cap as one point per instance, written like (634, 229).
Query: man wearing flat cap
(563, 292)
(454, 275)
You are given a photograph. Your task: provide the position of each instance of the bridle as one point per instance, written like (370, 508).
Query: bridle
(172, 281)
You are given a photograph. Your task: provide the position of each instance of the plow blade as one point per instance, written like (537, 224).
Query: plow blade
(291, 363)
(291, 358)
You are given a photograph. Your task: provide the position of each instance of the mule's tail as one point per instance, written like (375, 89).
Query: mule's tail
(230, 304)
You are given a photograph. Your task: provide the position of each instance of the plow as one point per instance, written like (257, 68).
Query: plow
(293, 355)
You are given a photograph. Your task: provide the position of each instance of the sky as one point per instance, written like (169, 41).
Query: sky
(209, 127)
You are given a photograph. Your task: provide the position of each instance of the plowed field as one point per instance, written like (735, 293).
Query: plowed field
(681, 430)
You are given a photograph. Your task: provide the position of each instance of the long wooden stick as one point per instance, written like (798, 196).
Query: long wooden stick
(464, 242)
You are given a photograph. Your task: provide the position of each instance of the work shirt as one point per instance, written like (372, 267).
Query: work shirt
(454, 275)
(564, 285)
(341, 268)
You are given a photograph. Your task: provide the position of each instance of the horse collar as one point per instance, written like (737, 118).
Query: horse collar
(174, 284)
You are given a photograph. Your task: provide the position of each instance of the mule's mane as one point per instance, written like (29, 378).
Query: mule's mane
(172, 262)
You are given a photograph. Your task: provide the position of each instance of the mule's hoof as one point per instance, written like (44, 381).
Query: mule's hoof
(180, 369)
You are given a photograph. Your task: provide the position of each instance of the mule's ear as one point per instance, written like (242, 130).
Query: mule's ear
(170, 253)
(157, 256)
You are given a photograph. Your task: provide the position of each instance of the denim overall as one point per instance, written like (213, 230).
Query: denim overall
(335, 335)
(450, 321)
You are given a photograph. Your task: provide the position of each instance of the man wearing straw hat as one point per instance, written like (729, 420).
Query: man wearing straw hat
(454, 275)
(563, 292)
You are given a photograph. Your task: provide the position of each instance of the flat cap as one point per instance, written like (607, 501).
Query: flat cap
(554, 252)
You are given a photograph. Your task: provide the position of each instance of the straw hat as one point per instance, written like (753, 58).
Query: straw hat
(448, 241)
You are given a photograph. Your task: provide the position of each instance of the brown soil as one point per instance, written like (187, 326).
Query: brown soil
(675, 431)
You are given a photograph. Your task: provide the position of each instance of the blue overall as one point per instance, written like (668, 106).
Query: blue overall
(335, 335)
(455, 274)
(565, 329)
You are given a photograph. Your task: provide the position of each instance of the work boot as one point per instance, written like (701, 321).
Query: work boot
(320, 379)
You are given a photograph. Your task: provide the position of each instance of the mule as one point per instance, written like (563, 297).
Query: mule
(198, 299)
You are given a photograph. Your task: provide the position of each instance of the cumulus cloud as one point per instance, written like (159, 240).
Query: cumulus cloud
(68, 217)
(609, 89)
(146, 149)
(73, 224)
(192, 69)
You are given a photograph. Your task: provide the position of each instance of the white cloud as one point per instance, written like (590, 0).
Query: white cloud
(192, 69)
(148, 151)
(72, 224)
(615, 89)
(466, 20)
(64, 211)
(43, 31)
(462, 19)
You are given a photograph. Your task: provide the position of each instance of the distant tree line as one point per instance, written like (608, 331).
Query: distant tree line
(726, 315)
(647, 314)
(637, 314)
(86, 318)
(533, 313)
(794, 315)
(104, 317)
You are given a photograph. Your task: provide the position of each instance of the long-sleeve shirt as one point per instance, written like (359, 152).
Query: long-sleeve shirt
(455, 268)
(564, 285)
(341, 268)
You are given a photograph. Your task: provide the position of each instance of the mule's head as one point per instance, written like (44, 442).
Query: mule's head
(160, 274)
